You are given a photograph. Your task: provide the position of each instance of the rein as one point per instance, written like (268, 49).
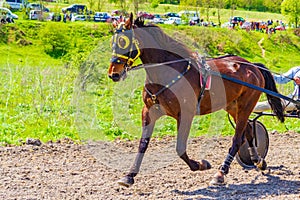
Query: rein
(144, 66)
(127, 37)
(274, 94)
(205, 70)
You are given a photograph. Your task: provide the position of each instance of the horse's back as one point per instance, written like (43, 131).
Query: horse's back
(224, 92)
(238, 68)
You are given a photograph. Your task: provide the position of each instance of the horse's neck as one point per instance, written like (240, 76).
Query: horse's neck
(163, 74)
(157, 53)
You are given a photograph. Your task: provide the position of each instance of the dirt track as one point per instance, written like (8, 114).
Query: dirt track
(70, 171)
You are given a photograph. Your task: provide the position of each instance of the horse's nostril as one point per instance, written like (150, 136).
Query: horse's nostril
(114, 76)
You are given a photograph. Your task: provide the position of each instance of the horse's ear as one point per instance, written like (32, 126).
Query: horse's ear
(115, 23)
(139, 22)
(129, 22)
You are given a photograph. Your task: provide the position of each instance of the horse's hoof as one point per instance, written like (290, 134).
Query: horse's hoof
(126, 181)
(205, 165)
(262, 165)
(218, 180)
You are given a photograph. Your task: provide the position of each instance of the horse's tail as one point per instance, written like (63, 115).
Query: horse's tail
(274, 102)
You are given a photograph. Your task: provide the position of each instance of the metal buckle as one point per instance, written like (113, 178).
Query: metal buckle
(153, 97)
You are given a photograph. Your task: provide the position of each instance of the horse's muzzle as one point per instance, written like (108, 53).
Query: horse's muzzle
(115, 77)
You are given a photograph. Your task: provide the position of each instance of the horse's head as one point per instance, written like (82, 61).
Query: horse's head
(125, 50)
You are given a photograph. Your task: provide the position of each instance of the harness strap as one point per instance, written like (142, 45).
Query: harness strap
(204, 71)
(154, 96)
(274, 94)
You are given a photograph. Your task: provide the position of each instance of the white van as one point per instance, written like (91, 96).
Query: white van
(15, 4)
(35, 14)
(191, 15)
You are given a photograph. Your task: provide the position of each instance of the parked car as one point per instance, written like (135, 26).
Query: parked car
(101, 17)
(173, 20)
(76, 8)
(78, 18)
(157, 19)
(15, 4)
(190, 15)
(37, 6)
(236, 20)
(280, 28)
(145, 15)
(171, 14)
(227, 25)
(35, 15)
(246, 25)
(6, 16)
(7, 13)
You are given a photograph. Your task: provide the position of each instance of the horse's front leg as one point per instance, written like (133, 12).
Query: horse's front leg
(183, 127)
(149, 117)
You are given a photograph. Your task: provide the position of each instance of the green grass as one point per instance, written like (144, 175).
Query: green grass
(35, 102)
(26, 56)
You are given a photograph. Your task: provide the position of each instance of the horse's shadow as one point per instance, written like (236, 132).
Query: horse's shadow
(275, 186)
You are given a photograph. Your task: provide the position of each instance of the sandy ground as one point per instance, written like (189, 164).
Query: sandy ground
(64, 170)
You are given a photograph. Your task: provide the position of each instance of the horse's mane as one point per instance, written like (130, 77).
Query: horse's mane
(166, 42)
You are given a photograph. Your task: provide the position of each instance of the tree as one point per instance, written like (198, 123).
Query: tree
(55, 40)
(166, 8)
(273, 5)
(100, 5)
(291, 8)
(219, 4)
(154, 4)
(207, 4)
(91, 4)
(232, 4)
(122, 4)
(136, 4)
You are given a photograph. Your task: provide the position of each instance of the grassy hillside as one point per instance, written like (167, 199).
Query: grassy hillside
(51, 93)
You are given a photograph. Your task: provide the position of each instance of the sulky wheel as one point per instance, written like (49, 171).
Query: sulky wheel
(262, 140)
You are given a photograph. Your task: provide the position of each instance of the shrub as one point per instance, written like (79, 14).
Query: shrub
(55, 39)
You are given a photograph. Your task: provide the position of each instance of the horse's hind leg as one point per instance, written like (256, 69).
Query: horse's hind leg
(255, 158)
(183, 127)
(240, 111)
(149, 117)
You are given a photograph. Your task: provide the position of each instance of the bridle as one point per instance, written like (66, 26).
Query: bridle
(126, 46)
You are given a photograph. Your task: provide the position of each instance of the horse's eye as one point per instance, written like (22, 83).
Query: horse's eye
(123, 42)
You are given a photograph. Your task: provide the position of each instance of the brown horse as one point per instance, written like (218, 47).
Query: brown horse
(172, 87)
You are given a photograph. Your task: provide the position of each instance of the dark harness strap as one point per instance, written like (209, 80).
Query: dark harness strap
(204, 71)
(154, 96)
(274, 94)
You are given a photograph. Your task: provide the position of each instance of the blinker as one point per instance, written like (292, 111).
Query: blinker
(124, 46)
